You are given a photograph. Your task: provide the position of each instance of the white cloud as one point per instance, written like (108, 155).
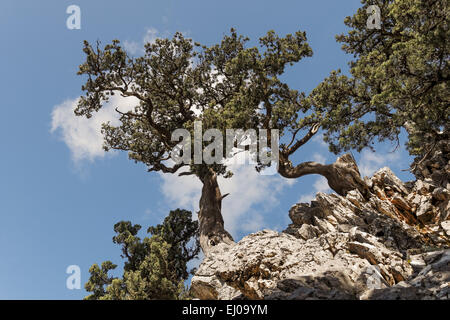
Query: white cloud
(83, 136)
(372, 161)
(252, 222)
(135, 47)
(246, 189)
(132, 47)
(318, 138)
(319, 158)
(183, 192)
(321, 185)
(150, 35)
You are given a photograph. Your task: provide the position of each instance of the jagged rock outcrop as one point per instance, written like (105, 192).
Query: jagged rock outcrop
(393, 213)
(272, 265)
(391, 244)
(430, 281)
(432, 198)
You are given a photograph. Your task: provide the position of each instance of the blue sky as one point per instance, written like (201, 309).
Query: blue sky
(60, 196)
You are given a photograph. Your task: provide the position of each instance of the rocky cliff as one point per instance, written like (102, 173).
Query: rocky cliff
(393, 243)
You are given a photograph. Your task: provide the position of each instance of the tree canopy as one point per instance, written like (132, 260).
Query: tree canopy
(399, 78)
(177, 82)
(155, 267)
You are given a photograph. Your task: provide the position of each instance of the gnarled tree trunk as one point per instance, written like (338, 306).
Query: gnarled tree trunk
(211, 225)
(342, 176)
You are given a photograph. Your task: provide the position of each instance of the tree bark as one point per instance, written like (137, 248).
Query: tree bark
(342, 176)
(211, 224)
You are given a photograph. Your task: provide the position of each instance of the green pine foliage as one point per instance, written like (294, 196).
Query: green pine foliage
(155, 267)
(399, 78)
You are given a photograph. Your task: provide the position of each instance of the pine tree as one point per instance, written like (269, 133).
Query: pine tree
(155, 267)
(399, 78)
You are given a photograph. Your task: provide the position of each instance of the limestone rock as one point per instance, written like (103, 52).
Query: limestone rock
(446, 227)
(391, 243)
(432, 282)
(272, 265)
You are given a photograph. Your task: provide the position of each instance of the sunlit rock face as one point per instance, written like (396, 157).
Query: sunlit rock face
(392, 243)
